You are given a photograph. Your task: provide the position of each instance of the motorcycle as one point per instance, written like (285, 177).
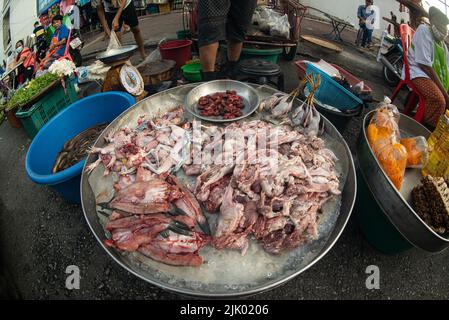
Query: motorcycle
(391, 54)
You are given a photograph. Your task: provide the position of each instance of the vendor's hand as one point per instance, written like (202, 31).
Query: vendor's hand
(115, 24)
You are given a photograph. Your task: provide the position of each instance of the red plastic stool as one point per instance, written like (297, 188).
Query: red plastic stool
(406, 36)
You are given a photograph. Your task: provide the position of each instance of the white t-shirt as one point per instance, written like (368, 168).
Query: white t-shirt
(107, 5)
(421, 52)
(371, 17)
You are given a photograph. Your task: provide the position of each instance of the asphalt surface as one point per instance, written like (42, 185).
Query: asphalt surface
(41, 235)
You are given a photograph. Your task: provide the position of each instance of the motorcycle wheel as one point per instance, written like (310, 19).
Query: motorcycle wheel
(77, 57)
(397, 61)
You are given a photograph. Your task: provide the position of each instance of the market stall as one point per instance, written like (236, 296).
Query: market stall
(189, 227)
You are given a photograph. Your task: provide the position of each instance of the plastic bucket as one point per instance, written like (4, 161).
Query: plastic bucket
(192, 72)
(177, 50)
(83, 114)
(374, 224)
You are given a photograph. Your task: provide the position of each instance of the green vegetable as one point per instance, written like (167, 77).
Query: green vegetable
(25, 94)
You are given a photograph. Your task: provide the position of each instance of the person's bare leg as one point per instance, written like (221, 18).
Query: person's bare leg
(234, 50)
(139, 40)
(208, 56)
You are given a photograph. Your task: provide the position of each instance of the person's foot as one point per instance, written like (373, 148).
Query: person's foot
(143, 56)
(230, 70)
(209, 76)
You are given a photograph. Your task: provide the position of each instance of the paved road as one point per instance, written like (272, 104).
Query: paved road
(41, 235)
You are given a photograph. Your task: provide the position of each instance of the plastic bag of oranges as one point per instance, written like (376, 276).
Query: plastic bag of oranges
(384, 138)
(386, 121)
(417, 151)
(393, 159)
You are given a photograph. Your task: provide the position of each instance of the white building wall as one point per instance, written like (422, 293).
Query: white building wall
(22, 17)
(347, 10)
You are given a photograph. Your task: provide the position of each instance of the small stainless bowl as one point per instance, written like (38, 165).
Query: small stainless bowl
(248, 94)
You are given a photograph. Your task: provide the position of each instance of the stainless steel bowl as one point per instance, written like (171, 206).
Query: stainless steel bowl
(114, 55)
(248, 94)
(394, 204)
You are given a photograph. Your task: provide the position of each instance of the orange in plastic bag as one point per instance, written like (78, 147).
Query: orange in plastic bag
(384, 136)
(387, 118)
(417, 151)
(393, 159)
(376, 133)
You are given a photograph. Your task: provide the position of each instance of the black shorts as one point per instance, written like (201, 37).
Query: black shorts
(129, 16)
(224, 19)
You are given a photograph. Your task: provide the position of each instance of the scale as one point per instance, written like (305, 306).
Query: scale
(122, 76)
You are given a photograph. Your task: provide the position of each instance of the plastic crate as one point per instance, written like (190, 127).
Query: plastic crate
(164, 7)
(332, 93)
(46, 108)
(352, 80)
(152, 8)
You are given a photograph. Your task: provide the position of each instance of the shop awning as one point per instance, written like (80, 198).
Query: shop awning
(84, 2)
(44, 5)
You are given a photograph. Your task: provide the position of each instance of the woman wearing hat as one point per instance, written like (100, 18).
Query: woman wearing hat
(429, 60)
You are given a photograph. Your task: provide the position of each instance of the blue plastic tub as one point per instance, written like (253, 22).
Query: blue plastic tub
(332, 93)
(83, 114)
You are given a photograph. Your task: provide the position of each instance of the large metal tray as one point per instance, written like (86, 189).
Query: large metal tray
(397, 205)
(192, 281)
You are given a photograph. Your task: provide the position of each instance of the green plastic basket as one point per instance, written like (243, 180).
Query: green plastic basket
(34, 118)
(192, 72)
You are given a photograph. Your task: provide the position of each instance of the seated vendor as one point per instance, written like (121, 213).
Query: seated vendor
(429, 60)
(58, 42)
(27, 69)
